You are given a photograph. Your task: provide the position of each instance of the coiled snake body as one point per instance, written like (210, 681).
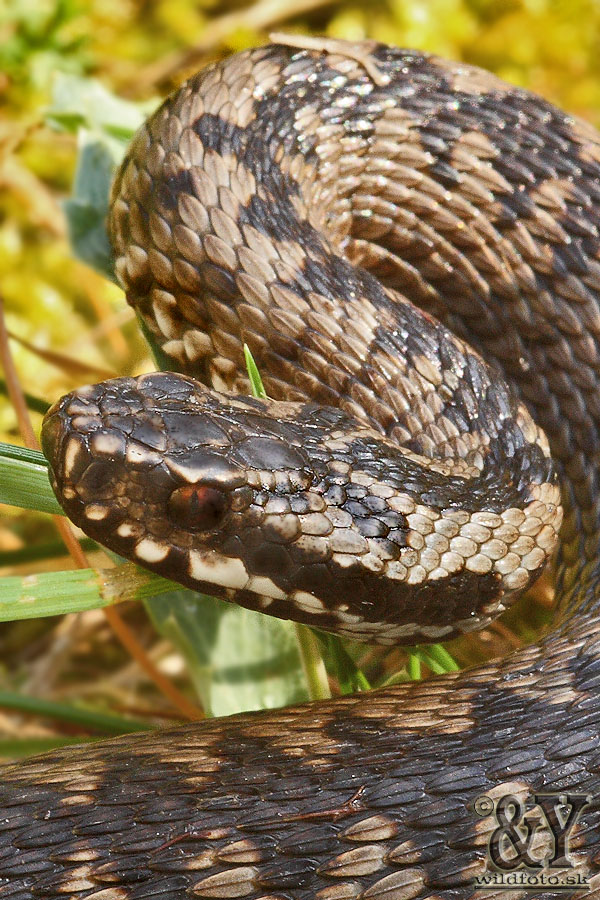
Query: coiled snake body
(297, 197)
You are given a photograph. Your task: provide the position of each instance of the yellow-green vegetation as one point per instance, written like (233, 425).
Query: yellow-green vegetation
(63, 63)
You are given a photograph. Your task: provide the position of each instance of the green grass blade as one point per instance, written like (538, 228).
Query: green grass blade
(89, 719)
(23, 454)
(434, 656)
(341, 665)
(414, 666)
(312, 663)
(57, 593)
(258, 388)
(24, 480)
(436, 653)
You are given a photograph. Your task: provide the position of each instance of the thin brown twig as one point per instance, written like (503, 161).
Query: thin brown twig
(13, 386)
(121, 630)
(64, 363)
(260, 15)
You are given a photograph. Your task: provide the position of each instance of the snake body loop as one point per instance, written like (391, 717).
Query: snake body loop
(302, 199)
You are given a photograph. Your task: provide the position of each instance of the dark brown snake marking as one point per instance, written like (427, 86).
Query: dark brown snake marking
(236, 216)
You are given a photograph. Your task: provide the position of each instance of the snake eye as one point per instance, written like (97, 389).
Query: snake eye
(197, 507)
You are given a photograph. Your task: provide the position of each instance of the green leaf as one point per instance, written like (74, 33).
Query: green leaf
(87, 209)
(104, 125)
(312, 662)
(84, 102)
(238, 659)
(57, 593)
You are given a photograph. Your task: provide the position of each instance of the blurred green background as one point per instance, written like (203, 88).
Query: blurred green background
(140, 49)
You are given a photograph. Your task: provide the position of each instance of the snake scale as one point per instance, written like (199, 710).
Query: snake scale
(306, 197)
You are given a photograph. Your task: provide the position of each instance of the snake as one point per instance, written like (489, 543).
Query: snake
(373, 223)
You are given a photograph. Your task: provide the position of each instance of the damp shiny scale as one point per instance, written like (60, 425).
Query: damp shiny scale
(305, 198)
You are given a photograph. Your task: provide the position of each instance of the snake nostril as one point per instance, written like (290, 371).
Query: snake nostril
(196, 507)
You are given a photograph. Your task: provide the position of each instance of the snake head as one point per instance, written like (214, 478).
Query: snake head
(170, 474)
(140, 464)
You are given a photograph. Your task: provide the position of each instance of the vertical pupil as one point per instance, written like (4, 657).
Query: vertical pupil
(196, 507)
